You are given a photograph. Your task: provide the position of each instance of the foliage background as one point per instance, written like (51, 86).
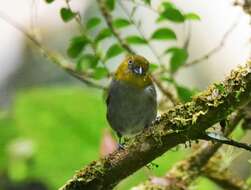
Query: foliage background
(52, 125)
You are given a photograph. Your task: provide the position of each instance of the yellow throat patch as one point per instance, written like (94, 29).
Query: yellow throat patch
(123, 73)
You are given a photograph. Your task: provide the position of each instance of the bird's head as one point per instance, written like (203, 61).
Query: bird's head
(137, 65)
(134, 70)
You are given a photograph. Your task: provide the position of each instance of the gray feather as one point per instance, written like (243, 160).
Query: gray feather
(130, 109)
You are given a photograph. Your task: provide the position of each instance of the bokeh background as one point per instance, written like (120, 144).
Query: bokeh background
(51, 124)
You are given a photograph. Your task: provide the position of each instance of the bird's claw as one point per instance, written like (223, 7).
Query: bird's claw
(121, 146)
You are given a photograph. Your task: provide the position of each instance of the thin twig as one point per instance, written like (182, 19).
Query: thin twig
(108, 19)
(217, 48)
(77, 18)
(143, 5)
(84, 32)
(224, 178)
(165, 91)
(52, 56)
(225, 140)
(188, 37)
(141, 32)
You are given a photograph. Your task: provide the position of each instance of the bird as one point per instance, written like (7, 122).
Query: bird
(132, 99)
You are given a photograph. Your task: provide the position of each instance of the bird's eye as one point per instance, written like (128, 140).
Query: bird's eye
(130, 62)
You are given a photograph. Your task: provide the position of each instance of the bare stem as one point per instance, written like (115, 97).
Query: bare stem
(54, 57)
(141, 32)
(108, 19)
(215, 49)
(84, 32)
(143, 5)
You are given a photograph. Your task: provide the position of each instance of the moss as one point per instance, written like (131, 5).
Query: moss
(96, 168)
(189, 120)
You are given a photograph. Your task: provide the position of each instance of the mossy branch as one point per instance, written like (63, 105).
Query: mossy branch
(224, 178)
(182, 174)
(180, 124)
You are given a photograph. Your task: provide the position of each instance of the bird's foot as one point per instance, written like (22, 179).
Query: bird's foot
(121, 146)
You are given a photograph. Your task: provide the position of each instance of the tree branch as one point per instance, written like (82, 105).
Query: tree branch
(224, 140)
(165, 91)
(83, 32)
(140, 31)
(185, 172)
(180, 124)
(215, 49)
(143, 5)
(54, 57)
(224, 178)
(108, 19)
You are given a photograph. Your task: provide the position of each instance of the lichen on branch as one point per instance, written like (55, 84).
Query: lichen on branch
(182, 123)
(203, 159)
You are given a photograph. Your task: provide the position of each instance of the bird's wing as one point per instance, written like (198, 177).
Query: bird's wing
(107, 100)
(109, 92)
(151, 92)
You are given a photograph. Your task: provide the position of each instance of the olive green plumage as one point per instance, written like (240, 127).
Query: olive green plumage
(131, 102)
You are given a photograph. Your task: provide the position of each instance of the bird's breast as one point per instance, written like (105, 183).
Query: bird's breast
(129, 108)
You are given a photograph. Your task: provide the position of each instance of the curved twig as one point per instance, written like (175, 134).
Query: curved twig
(52, 56)
(215, 49)
(108, 19)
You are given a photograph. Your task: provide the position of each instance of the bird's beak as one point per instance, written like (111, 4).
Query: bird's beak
(139, 70)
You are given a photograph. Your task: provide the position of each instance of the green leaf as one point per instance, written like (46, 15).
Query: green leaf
(148, 2)
(121, 23)
(100, 73)
(164, 34)
(179, 57)
(49, 1)
(168, 79)
(192, 16)
(76, 46)
(113, 51)
(93, 22)
(67, 14)
(167, 5)
(87, 61)
(172, 14)
(135, 40)
(58, 109)
(110, 4)
(185, 94)
(104, 33)
(9, 132)
(239, 131)
(153, 67)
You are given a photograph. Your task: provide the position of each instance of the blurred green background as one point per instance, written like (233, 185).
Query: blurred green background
(51, 125)
(52, 132)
